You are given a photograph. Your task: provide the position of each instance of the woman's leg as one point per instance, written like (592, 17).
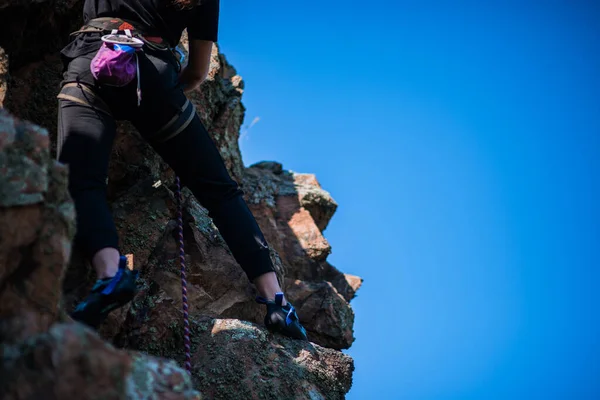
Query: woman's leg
(87, 137)
(196, 160)
(168, 120)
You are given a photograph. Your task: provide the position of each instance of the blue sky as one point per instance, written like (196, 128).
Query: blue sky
(461, 141)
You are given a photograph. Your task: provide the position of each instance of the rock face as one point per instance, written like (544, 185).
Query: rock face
(237, 359)
(29, 29)
(233, 355)
(69, 361)
(44, 355)
(3, 75)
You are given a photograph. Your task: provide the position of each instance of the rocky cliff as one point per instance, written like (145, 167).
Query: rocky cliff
(48, 356)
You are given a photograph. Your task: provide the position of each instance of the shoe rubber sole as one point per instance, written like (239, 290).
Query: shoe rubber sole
(95, 313)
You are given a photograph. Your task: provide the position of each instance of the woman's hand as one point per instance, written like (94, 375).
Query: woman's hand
(196, 70)
(190, 79)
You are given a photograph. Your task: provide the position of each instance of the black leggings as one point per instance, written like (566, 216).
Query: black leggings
(169, 122)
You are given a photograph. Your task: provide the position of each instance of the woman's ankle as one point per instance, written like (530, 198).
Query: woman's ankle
(268, 286)
(106, 262)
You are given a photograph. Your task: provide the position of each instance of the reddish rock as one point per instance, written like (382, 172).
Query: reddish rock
(326, 315)
(288, 227)
(307, 180)
(347, 285)
(272, 166)
(71, 362)
(141, 216)
(4, 76)
(217, 285)
(278, 200)
(36, 222)
(32, 91)
(42, 355)
(234, 359)
(301, 224)
(305, 187)
(133, 161)
(314, 199)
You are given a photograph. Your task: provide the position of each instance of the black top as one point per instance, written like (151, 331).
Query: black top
(160, 17)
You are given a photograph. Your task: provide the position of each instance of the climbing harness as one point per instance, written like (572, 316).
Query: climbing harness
(116, 63)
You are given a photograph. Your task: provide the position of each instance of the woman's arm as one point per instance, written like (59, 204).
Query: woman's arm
(196, 70)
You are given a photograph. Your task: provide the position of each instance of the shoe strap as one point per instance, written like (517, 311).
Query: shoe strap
(100, 282)
(113, 283)
(261, 300)
(278, 299)
(291, 315)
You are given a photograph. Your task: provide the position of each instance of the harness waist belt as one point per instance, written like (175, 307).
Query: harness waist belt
(106, 25)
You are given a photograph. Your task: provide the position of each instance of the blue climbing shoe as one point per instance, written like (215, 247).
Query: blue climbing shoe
(282, 319)
(107, 295)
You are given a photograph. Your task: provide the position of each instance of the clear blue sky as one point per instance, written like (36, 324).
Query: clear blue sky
(461, 140)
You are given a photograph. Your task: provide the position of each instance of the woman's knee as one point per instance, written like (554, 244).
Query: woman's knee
(213, 196)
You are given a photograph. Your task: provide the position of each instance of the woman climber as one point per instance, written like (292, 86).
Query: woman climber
(121, 65)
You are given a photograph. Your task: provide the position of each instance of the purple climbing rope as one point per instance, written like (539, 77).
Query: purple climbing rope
(186, 317)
